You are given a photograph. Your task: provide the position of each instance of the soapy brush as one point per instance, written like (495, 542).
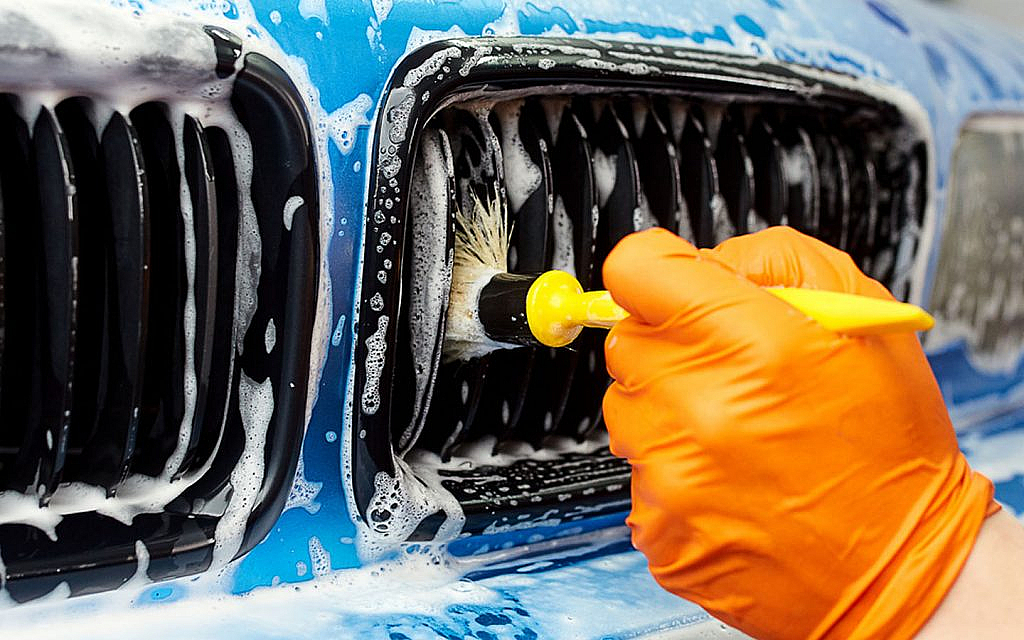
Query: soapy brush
(492, 309)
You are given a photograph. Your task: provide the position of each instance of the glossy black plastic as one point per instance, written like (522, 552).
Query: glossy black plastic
(599, 133)
(128, 165)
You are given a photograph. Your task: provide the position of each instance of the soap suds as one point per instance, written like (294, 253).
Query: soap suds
(303, 492)
(399, 504)
(290, 207)
(270, 336)
(430, 201)
(256, 406)
(554, 110)
(318, 557)
(375, 348)
(643, 218)
(314, 9)
(344, 122)
(564, 251)
(723, 228)
(431, 66)
(604, 175)
(522, 175)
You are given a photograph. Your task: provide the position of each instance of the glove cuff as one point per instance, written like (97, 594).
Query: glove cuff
(911, 581)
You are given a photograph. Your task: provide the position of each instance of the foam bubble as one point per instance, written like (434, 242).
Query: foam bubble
(290, 207)
(375, 347)
(270, 336)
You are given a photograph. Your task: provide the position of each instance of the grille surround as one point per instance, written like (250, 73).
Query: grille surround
(463, 70)
(93, 551)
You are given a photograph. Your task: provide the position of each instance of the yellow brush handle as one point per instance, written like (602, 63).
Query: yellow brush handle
(597, 309)
(855, 315)
(557, 309)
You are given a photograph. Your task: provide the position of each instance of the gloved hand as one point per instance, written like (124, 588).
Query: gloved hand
(794, 482)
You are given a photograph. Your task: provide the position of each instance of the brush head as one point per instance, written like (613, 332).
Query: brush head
(481, 252)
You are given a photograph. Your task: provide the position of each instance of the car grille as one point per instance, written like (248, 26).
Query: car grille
(582, 158)
(157, 320)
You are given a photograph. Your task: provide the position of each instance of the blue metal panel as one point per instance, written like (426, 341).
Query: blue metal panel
(952, 67)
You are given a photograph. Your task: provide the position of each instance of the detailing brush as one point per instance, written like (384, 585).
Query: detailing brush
(491, 309)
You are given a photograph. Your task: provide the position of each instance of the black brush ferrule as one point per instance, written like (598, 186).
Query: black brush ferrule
(502, 307)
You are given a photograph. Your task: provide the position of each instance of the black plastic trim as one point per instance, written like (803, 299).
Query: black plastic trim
(93, 552)
(449, 71)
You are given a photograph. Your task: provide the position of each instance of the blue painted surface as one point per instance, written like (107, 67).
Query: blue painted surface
(889, 16)
(953, 69)
(536, 21)
(920, 53)
(352, 52)
(962, 382)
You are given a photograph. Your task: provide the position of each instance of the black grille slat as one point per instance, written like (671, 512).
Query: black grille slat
(203, 194)
(225, 194)
(107, 447)
(771, 193)
(91, 341)
(834, 187)
(428, 396)
(735, 175)
(620, 214)
(623, 202)
(509, 371)
(802, 179)
(21, 278)
(658, 161)
(477, 177)
(531, 233)
(575, 194)
(574, 184)
(42, 454)
(863, 220)
(163, 392)
(699, 177)
(552, 369)
(533, 239)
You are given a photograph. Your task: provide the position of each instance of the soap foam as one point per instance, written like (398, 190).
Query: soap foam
(564, 252)
(399, 504)
(376, 346)
(522, 175)
(431, 265)
(605, 175)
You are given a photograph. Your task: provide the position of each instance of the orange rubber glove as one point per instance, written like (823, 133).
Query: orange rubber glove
(794, 482)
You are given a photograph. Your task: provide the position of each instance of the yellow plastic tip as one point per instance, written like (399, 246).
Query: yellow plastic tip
(853, 314)
(557, 309)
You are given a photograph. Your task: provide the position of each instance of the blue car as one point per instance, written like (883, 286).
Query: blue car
(226, 256)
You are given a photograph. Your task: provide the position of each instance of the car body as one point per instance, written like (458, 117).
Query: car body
(310, 565)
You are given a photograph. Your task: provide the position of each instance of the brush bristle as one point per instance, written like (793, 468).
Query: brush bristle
(481, 251)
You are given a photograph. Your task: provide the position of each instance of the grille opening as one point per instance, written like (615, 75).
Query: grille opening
(124, 370)
(704, 183)
(581, 159)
